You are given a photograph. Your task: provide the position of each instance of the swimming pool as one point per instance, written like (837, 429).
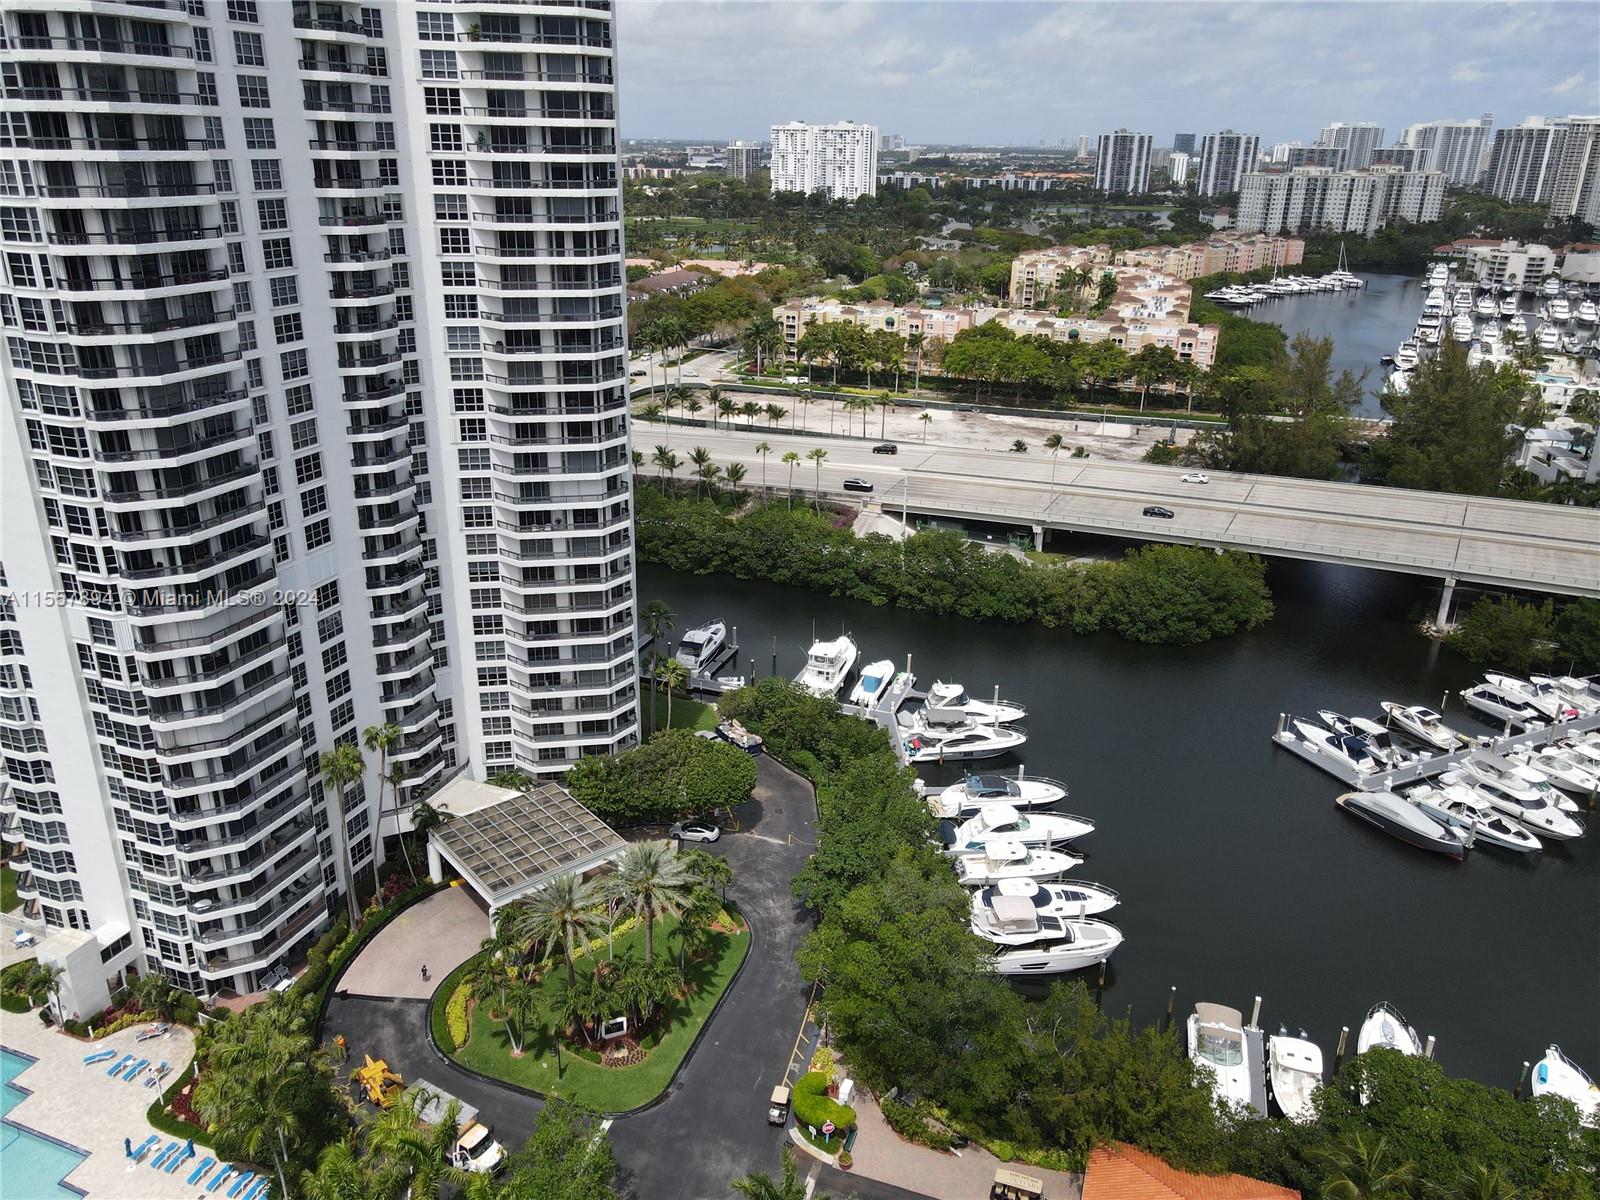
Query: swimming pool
(33, 1166)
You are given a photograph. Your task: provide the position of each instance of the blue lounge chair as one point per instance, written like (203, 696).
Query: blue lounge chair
(158, 1074)
(198, 1173)
(222, 1175)
(243, 1182)
(257, 1189)
(116, 1067)
(145, 1145)
(160, 1160)
(134, 1070)
(99, 1056)
(177, 1160)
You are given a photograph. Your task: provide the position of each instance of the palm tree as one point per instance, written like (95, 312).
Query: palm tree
(886, 406)
(734, 473)
(775, 414)
(383, 740)
(255, 1083)
(1053, 443)
(651, 411)
(342, 766)
(726, 408)
(915, 341)
(339, 1175)
(816, 456)
(636, 458)
(414, 1155)
(927, 419)
(790, 458)
(43, 980)
(699, 456)
(750, 410)
(654, 882)
(710, 870)
(789, 1186)
(1480, 1182)
(1361, 1170)
(708, 476)
(692, 405)
(521, 1006)
(763, 449)
(563, 911)
(657, 620)
(674, 674)
(714, 398)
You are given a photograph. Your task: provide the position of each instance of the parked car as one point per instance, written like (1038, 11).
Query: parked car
(857, 485)
(1155, 510)
(1196, 477)
(695, 831)
(886, 448)
(635, 374)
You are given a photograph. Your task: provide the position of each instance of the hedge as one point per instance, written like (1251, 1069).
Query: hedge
(813, 1106)
(455, 1015)
(171, 1123)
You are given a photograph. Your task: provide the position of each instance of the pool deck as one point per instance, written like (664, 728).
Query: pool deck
(83, 1107)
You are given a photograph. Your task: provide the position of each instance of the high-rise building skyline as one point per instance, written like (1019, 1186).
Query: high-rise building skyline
(1178, 167)
(1224, 158)
(744, 159)
(1575, 191)
(317, 356)
(840, 159)
(1122, 162)
(1308, 198)
(1523, 160)
(1457, 148)
(1358, 139)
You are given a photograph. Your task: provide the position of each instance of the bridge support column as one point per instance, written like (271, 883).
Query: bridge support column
(1038, 537)
(1441, 621)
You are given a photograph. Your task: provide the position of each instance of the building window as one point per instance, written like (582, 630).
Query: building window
(258, 134)
(266, 174)
(277, 254)
(439, 64)
(243, 11)
(318, 535)
(247, 49)
(273, 214)
(294, 364)
(287, 327)
(253, 93)
(307, 469)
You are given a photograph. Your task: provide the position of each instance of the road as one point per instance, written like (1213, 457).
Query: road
(1505, 543)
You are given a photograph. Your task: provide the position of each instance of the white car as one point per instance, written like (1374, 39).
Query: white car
(1196, 477)
(695, 831)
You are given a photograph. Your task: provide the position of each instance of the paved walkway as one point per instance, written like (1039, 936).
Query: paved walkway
(85, 1108)
(443, 931)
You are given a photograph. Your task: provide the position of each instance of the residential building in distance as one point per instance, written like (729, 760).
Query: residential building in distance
(1240, 252)
(890, 142)
(1148, 309)
(744, 159)
(1411, 158)
(318, 420)
(1308, 198)
(1038, 276)
(1178, 164)
(1335, 158)
(1183, 143)
(1457, 148)
(935, 324)
(1523, 160)
(1575, 191)
(1280, 150)
(1504, 262)
(1359, 140)
(1224, 158)
(840, 159)
(1122, 163)
(1085, 144)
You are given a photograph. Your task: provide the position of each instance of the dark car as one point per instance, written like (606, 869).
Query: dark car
(886, 448)
(857, 485)
(1155, 510)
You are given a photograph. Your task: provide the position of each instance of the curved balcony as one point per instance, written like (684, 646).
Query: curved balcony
(196, 568)
(211, 526)
(272, 917)
(177, 238)
(177, 371)
(397, 610)
(195, 490)
(175, 456)
(533, 287)
(400, 637)
(119, 48)
(184, 408)
(277, 854)
(152, 286)
(390, 555)
(285, 822)
(221, 710)
(235, 776)
(356, 258)
(170, 685)
(222, 966)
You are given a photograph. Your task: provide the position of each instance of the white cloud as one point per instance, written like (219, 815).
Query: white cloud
(1570, 84)
(1468, 72)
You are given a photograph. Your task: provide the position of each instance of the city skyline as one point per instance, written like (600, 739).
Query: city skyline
(952, 75)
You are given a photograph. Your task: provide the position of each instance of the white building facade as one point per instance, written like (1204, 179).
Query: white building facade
(743, 159)
(1309, 198)
(1122, 162)
(1178, 164)
(1523, 160)
(1359, 140)
(1458, 149)
(316, 370)
(1224, 159)
(1575, 190)
(840, 159)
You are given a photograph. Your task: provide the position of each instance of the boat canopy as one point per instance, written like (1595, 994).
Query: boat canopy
(998, 815)
(1014, 914)
(991, 785)
(1004, 850)
(1228, 1020)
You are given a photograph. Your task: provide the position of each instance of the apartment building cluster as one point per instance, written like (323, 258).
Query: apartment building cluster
(907, 321)
(1237, 252)
(1319, 198)
(316, 359)
(1148, 309)
(1554, 161)
(840, 159)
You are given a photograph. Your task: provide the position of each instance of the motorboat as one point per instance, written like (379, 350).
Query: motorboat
(1489, 335)
(1438, 274)
(1508, 306)
(1587, 313)
(1398, 817)
(1398, 382)
(1294, 1073)
(1548, 699)
(1429, 322)
(1527, 808)
(1457, 806)
(736, 735)
(1216, 1042)
(960, 743)
(1577, 690)
(1497, 768)
(1560, 766)
(1461, 328)
(1548, 337)
(1488, 699)
(1073, 899)
(1559, 310)
(1405, 358)
(952, 698)
(1012, 860)
(876, 680)
(1057, 947)
(699, 648)
(1385, 1028)
(827, 666)
(978, 792)
(1003, 823)
(1433, 304)
(1550, 287)
(1484, 306)
(1571, 344)
(1381, 744)
(1351, 751)
(1461, 298)
(1557, 1075)
(1583, 750)
(1423, 724)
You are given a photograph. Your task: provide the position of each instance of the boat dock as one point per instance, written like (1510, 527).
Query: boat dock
(1255, 1054)
(885, 711)
(711, 681)
(1425, 768)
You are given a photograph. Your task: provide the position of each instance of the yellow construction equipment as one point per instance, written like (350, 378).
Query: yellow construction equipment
(381, 1085)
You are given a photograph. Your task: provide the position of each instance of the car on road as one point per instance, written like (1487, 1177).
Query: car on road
(857, 485)
(635, 374)
(1155, 510)
(1196, 477)
(886, 448)
(695, 831)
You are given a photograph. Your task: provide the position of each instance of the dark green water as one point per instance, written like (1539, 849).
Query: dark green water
(1238, 875)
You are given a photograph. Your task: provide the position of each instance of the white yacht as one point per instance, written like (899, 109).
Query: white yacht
(1497, 768)
(1527, 808)
(1458, 806)
(1400, 818)
(1461, 328)
(1548, 699)
(1587, 313)
(1550, 287)
(1489, 335)
(876, 679)
(1438, 275)
(1381, 744)
(1484, 306)
(952, 698)
(1033, 945)
(1434, 304)
(1461, 298)
(1561, 766)
(1216, 1042)
(1405, 358)
(1012, 860)
(1351, 751)
(699, 647)
(1559, 310)
(966, 742)
(1548, 337)
(828, 666)
(1488, 699)
(1583, 749)
(1423, 724)
(1583, 697)
(1294, 1073)
(978, 792)
(1557, 1075)
(1385, 1027)
(1073, 899)
(1003, 823)
(1508, 306)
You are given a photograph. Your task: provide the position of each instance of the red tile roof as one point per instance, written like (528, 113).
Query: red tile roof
(1123, 1172)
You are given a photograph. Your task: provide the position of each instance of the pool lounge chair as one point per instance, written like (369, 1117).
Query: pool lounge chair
(135, 1069)
(257, 1189)
(160, 1160)
(222, 1175)
(143, 1146)
(152, 1031)
(242, 1183)
(99, 1056)
(159, 1074)
(198, 1173)
(116, 1067)
(22, 938)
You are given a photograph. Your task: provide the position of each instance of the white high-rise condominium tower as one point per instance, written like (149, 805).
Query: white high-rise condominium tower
(1224, 158)
(317, 388)
(1575, 191)
(840, 159)
(1457, 148)
(1122, 162)
(1359, 141)
(1524, 159)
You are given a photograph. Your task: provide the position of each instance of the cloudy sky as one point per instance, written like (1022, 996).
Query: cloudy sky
(1017, 71)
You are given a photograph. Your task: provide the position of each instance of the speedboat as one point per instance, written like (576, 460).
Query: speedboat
(876, 679)
(1012, 860)
(1578, 691)
(1294, 1073)
(699, 647)
(960, 743)
(827, 666)
(1583, 750)
(1434, 304)
(1557, 1075)
(1216, 1042)
(1053, 947)
(978, 792)
(1559, 310)
(1560, 766)
(1497, 768)
(1405, 358)
(1457, 806)
(1484, 307)
(1508, 306)
(952, 698)
(1487, 698)
(1398, 817)
(1423, 724)
(1549, 700)
(1003, 823)
(1525, 807)
(1351, 751)
(1386, 1028)
(1380, 744)
(1073, 899)
(1587, 313)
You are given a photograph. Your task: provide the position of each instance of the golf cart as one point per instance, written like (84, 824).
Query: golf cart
(778, 1107)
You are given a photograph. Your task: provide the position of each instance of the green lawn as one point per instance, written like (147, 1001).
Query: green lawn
(8, 887)
(686, 713)
(606, 1089)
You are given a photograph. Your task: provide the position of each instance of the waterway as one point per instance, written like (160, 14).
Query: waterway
(1365, 325)
(1238, 875)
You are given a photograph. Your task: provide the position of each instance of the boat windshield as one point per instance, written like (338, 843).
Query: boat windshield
(693, 644)
(1220, 1050)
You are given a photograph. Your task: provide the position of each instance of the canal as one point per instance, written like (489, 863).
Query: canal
(1238, 875)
